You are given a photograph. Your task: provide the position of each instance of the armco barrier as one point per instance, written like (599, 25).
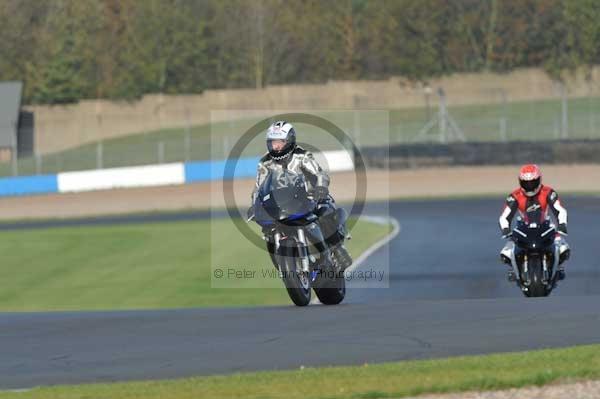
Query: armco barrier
(406, 156)
(149, 175)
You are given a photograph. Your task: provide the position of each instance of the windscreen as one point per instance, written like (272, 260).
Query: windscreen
(282, 195)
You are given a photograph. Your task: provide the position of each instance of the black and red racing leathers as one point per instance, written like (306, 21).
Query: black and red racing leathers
(533, 209)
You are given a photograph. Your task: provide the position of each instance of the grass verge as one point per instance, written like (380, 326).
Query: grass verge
(144, 265)
(372, 381)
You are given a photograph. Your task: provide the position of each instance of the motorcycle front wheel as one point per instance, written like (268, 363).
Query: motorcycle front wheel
(537, 288)
(297, 283)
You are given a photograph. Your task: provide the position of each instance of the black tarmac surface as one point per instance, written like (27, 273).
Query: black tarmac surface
(447, 296)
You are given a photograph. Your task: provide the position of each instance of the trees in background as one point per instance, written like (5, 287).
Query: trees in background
(66, 50)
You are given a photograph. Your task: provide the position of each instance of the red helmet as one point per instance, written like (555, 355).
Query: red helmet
(530, 179)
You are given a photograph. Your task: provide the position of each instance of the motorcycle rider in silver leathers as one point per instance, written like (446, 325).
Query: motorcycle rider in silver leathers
(284, 153)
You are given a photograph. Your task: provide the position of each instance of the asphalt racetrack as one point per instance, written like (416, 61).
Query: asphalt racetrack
(447, 296)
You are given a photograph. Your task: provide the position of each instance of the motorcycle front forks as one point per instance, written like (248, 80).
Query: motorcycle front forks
(526, 280)
(307, 236)
(546, 273)
(302, 248)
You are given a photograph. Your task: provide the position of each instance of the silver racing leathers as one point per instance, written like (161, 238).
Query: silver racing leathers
(297, 161)
(331, 219)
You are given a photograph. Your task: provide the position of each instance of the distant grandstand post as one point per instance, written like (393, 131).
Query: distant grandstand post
(99, 155)
(226, 146)
(427, 91)
(187, 145)
(10, 104)
(161, 151)
(591, 113)
(564, 133)
(187, 139)
(356, 129)
(14, 158)
(503, 117)
(38, 164)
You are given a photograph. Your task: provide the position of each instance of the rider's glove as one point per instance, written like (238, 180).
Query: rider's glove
(320, 193)
(562, 229)
(506, 233)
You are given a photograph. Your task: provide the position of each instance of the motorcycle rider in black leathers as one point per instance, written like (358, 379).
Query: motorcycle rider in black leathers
(284, 153)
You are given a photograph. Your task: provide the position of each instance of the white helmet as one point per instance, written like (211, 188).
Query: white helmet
(281, 130)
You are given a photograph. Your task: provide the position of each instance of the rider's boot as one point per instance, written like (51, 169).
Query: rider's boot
(505, 257)
(564, 252)
(334, 232)
(342, 256)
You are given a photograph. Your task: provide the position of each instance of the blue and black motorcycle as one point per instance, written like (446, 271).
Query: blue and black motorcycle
(289, 218)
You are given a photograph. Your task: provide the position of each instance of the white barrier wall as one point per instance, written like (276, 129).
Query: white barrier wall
(138, 176)
(156, 175)
(335, 161)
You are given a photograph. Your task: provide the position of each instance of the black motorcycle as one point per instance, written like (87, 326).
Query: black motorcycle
(535, 257)
(289, 218)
